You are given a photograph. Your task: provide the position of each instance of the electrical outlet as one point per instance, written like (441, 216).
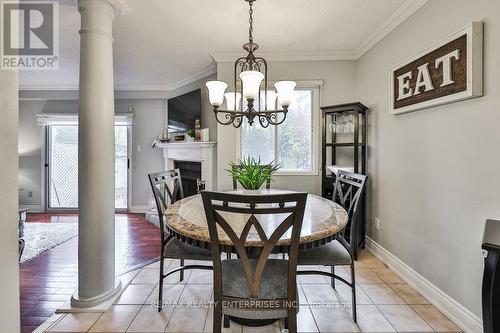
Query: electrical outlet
(376, 222)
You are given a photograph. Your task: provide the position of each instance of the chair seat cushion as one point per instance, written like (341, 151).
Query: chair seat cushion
(330, 254)
(273, 285)
(176, 249)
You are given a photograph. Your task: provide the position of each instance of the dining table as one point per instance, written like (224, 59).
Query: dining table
(323, 219)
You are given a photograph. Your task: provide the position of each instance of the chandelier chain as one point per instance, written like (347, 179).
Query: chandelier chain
(250, 20)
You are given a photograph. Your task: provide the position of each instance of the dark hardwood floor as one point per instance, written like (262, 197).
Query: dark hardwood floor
(47, 281)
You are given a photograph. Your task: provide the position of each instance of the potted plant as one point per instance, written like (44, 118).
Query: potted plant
(190, 135)
(251, 174)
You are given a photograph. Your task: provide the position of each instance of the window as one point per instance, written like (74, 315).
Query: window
(290, 144)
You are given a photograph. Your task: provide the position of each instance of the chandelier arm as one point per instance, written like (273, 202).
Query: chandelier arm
(272, 116)
(238, 121)
(240, 61)
(259, 60)
(261, 121)
(228, 115)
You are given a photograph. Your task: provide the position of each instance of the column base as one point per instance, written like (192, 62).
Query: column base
(94, 302)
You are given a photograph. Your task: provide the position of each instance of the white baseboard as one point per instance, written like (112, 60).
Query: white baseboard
(456, 312)
(139, 209)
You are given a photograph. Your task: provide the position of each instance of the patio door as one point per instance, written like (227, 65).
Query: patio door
(62, 167)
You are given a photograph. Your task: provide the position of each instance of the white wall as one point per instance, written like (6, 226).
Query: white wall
(338, 87)
(9, 277)
(434, 174)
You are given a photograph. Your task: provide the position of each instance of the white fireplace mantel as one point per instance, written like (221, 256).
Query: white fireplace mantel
(203, 152)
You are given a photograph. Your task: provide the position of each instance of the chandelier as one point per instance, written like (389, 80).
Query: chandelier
(252, 71)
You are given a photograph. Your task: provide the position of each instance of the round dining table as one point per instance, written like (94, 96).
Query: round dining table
(323, 219)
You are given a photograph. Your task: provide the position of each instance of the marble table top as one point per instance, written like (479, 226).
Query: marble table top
(322, 219)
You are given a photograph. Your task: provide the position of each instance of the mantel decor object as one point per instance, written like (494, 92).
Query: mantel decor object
(251, 70)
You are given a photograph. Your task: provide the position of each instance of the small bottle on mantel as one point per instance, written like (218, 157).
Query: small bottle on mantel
(197, 130)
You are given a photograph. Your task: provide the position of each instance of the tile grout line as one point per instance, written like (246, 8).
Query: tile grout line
(175, 309)
(310, 310)
(206, 316)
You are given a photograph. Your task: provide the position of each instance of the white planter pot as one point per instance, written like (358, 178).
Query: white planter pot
(252, 192)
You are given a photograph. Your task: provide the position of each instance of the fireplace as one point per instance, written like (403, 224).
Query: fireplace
(196, 160)
(190, 174)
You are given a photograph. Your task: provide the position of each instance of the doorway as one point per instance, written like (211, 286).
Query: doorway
(62, 167)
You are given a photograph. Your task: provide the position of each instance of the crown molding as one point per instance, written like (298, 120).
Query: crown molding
(398, 17)
(193, 78)
(298, 56)
(139, 87)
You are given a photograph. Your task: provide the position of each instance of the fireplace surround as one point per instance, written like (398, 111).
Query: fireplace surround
(198, 159)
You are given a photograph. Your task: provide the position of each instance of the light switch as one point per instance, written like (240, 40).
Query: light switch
(139, 148)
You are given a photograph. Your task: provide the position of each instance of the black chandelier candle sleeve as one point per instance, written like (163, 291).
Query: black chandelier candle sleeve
(251, 71)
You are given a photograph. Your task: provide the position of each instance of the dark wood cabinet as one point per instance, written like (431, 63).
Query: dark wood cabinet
(344, 147)
(491, 277)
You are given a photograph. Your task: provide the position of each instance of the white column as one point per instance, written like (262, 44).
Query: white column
(96, 155)
(9, 173)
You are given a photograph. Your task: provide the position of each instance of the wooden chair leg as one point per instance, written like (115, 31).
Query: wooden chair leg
(226, 321)
(181, 272)
(160, 286)
(217, 320)
(353, 281)
(292, 321)
(332, 270)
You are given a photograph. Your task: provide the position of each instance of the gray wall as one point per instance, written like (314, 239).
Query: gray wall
(9, 278)
(149, 120)
(338, 87)
(434, 174)
(150, 109)
(30, 154)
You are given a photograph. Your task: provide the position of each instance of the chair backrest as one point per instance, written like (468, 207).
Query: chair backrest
(347, 192)
(287, 208)
(167, 189)
(235, 183)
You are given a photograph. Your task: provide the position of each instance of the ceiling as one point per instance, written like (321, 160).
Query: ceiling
(162, 44)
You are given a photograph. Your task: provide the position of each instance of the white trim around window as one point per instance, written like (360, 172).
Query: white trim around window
(314, 87)
(44, 119)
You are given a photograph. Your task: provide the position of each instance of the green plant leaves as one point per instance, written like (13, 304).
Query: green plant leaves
(250, 173)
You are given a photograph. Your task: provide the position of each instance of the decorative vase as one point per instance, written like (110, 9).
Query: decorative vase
(252, 192)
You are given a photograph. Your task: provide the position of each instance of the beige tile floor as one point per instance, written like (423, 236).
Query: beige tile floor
(385, 304)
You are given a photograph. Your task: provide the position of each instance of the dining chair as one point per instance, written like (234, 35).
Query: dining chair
(255, 288)
(347, 192)
(167, 189)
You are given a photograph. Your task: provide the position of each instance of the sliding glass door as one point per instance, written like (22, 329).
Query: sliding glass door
(62, 158)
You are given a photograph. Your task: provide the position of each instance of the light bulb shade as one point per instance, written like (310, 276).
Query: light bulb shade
(216, 92)
(285, 92)
(269, 100)
(251, 83)
(232, 103)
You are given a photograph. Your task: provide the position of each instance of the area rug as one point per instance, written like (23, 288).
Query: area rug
(40, 237)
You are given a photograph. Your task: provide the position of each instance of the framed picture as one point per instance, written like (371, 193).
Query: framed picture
(449, 71)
